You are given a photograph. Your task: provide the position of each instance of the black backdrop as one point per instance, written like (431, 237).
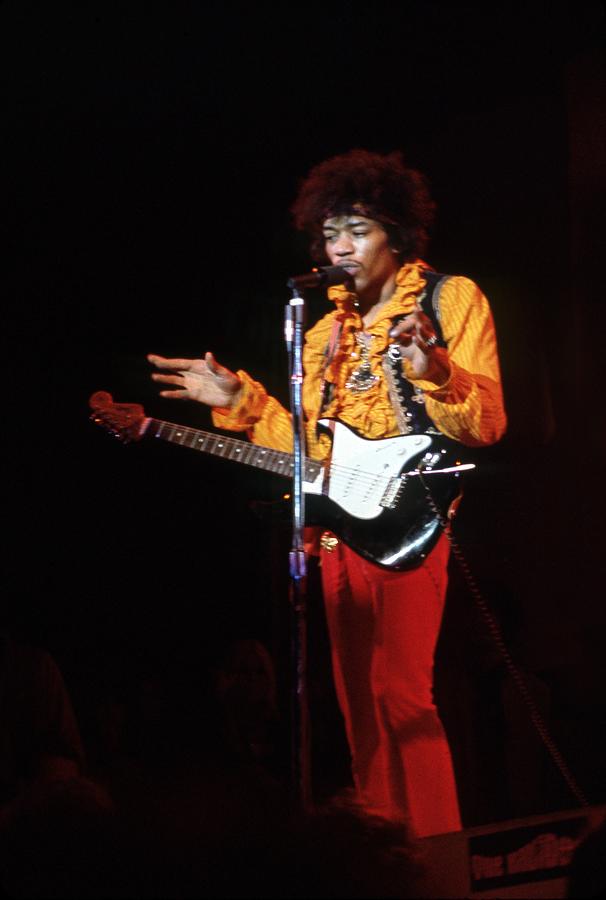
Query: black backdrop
(151, 154)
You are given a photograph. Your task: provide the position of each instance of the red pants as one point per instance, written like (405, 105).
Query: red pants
(383, 629)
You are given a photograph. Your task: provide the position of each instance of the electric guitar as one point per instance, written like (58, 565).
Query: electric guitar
(373, 494)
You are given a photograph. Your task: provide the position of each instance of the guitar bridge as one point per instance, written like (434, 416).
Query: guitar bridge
(390, 498)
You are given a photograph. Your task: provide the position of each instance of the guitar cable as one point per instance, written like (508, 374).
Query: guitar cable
(497, 635)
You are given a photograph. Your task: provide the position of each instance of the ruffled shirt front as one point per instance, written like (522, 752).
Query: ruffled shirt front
(467, 405)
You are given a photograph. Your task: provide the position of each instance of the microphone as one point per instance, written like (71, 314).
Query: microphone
(325, 276)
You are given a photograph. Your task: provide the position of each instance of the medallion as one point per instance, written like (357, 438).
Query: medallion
(362, 378)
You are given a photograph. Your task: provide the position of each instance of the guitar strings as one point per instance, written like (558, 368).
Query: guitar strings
(337, 470)
(364, 481)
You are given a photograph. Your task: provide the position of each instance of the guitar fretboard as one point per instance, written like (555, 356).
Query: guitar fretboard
(232, 448)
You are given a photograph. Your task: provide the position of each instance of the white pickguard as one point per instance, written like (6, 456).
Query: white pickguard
(360, 469)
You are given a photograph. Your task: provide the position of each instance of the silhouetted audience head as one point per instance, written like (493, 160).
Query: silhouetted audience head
(245, 677)
(244, 699)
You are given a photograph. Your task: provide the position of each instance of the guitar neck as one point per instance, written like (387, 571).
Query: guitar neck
(232, 449)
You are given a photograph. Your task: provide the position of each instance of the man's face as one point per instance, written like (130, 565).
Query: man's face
(361, 246)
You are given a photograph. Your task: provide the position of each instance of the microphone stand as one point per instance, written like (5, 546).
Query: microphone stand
(300, 735)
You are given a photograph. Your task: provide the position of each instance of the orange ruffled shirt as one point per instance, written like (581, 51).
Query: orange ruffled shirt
(467, 406)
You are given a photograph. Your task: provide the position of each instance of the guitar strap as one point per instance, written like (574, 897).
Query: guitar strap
(407, 399)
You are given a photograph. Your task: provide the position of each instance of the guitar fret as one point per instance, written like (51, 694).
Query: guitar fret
(236, 451)
(311, 470)
(275, 462)
(281, 462)
(260, 459)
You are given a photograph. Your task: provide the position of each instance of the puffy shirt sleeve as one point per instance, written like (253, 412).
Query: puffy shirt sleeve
(468, 404)
(264, 419)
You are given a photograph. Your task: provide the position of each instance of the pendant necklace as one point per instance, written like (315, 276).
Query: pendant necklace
(362, 378)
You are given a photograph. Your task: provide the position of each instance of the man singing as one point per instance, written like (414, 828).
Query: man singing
(370, 214)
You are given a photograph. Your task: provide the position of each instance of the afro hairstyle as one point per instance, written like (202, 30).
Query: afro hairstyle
(378, 186)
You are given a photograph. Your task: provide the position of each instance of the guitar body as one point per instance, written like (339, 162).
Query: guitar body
(386, 499)
(400, 535)
(398, 539)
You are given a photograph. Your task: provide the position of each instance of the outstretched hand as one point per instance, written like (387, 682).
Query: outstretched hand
(203, 380)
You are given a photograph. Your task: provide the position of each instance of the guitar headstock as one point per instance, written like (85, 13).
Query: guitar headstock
(123, 420)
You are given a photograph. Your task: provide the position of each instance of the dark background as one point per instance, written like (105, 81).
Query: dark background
(151, 153)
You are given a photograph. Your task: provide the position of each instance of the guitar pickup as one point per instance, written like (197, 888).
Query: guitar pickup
(393, 491)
